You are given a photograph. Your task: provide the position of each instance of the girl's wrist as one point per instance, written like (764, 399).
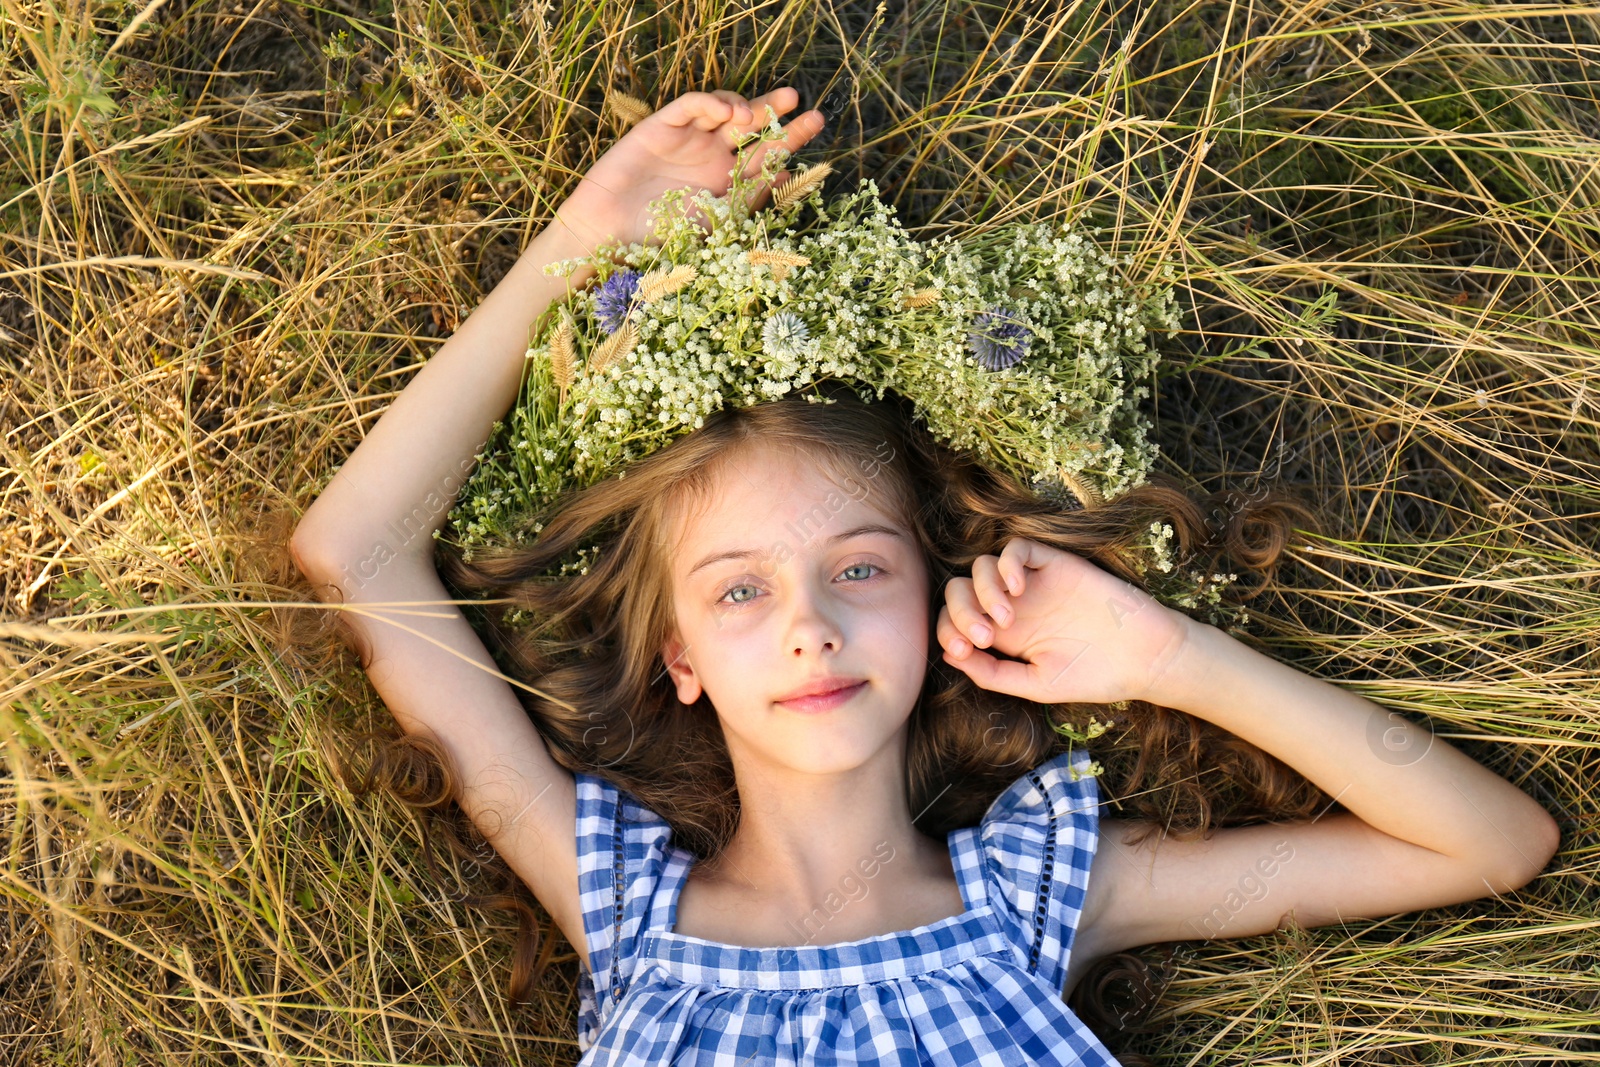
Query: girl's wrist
(1195, 675)
(582, 223)
(555, 243)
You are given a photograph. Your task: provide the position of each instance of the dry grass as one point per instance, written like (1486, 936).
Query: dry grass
(231, 233)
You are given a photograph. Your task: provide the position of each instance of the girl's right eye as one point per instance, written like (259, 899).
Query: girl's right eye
(723, 601)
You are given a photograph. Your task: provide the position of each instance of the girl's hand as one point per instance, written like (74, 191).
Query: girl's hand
(1083, 634)
(692, 141)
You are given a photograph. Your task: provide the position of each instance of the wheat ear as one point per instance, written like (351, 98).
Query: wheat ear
(770, 256)
(613, 348)
(562, 357)
(659, 283)
(799, 187)
(781, 262)
(629, 109)
(1087, 494)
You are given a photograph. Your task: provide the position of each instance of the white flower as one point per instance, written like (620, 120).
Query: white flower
(784, 336)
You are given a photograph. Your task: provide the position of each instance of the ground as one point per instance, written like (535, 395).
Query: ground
(230, 236)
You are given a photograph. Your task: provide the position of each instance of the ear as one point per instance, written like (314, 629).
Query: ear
(674, 653)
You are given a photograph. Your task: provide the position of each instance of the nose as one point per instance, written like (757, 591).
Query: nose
(814, 625)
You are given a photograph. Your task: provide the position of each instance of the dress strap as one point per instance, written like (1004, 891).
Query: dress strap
(664, 907)
(966, 856)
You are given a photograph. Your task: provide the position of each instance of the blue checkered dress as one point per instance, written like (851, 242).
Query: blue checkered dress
(982, 987)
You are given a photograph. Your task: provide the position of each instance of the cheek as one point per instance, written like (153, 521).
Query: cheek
(902, 627)
(915, 615)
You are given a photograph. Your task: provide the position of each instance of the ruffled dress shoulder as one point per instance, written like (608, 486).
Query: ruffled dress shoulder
(982, 987)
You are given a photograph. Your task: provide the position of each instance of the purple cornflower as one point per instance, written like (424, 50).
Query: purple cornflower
(998, 338)
(614, 299)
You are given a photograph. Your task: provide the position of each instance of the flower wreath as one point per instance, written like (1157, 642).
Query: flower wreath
(1025, 344)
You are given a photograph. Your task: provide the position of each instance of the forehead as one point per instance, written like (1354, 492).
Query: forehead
(764, 496)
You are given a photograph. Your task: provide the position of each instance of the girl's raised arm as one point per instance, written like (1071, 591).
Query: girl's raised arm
(367, 541)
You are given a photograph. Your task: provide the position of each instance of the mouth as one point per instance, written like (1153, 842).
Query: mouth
(826, 701)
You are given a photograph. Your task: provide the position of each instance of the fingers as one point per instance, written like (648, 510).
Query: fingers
(705, 111)
(1012, 565)
(709, 110)
(782, 100)
(802, 128)
(1022, 554)
(956, 644)
(744, 114)
(991, 587)
(977, 607)
(974, 609)
(747, 116)
(799, 130)
(988, 672)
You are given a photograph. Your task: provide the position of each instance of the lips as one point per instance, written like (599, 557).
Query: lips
(824, 702)
(821, 687)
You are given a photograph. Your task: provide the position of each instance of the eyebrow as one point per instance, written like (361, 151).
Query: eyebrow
(746, 553)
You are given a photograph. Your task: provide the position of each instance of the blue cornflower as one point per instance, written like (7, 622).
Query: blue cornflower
(615, 298)
(998, 338)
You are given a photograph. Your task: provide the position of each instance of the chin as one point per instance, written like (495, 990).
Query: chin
(834, 755)
(821, 767)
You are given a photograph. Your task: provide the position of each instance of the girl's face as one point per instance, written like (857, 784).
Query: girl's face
(786, 576)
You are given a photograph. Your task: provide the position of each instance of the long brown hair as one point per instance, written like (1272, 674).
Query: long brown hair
(592, 647)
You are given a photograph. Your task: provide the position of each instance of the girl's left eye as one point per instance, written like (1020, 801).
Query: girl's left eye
(723, 599)
(853, 566)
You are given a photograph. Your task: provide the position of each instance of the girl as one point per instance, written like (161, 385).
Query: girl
(790, 794)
